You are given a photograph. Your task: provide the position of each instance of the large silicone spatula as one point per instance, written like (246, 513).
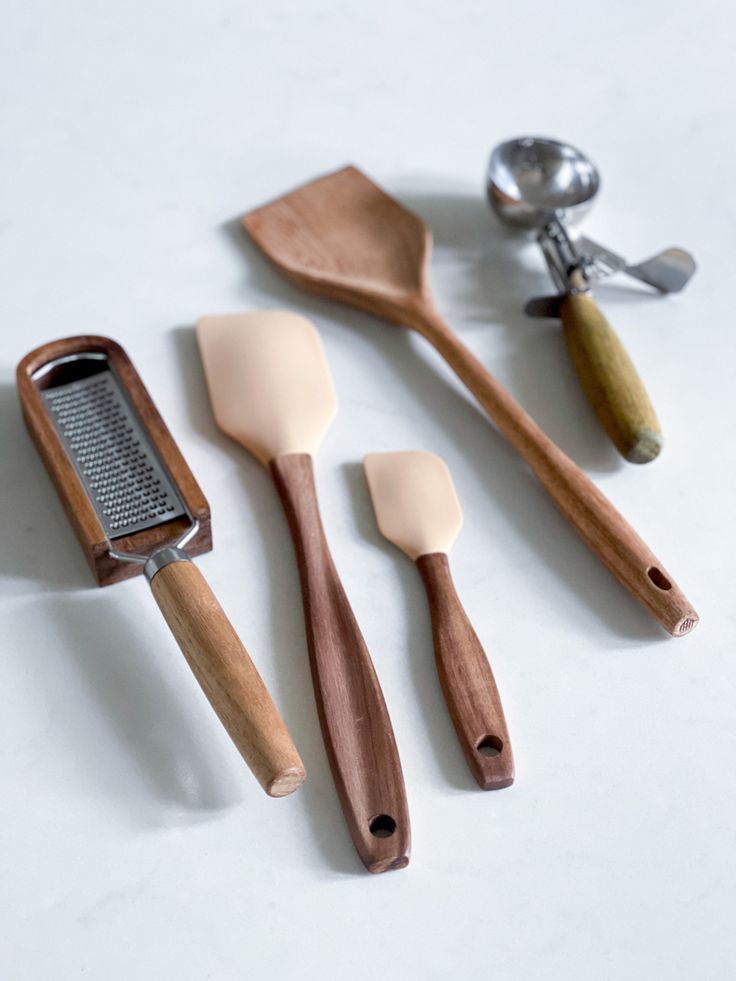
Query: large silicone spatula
(343, 237)
(417, 509)
(271, 391)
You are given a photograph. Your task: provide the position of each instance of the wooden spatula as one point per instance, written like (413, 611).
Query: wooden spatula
(341, 236)
(417, 509)
(271, 391)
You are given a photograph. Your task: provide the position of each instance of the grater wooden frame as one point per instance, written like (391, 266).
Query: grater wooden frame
(79, 508)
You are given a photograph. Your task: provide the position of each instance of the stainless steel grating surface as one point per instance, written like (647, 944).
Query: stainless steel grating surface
(111, 453)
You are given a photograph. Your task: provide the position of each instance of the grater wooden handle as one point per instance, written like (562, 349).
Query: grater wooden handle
(467, 680)
(228, 677)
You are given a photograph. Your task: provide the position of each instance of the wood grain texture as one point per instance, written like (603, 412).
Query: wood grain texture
(467, 680)
(610, 380)
(342, 237)
(228, 677)
(70, 489)
(356, 727)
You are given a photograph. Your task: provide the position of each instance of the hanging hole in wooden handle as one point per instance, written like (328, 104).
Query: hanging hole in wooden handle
(659, 579)
(382, 826)
(490, 746)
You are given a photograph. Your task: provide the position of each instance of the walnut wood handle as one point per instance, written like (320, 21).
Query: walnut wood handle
(467, 680)
(604, 529)
(355, 724)
(610, 380)
(228, 677)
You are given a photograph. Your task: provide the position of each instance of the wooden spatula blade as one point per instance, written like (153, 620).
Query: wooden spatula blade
(415, 501)
(268, 379)
(342, 236)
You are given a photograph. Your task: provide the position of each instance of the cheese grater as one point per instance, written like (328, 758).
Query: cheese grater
(125, 481)
(136, 507)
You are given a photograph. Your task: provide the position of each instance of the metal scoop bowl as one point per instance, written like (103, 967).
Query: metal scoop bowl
(531, 178)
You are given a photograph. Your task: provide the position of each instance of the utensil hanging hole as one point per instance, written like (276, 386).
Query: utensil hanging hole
(490, 746)
(659, 579)
(382, 826)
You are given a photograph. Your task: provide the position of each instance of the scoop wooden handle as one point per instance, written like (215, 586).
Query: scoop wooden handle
(602, 527)
(228, 677)
(355, 724)
(610, 380)
(467, 680)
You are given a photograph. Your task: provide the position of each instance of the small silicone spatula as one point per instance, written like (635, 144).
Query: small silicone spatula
(417, 509)
(271, 390)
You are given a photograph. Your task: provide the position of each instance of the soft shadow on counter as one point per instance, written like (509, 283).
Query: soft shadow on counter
(169, 761)
(37, 543)
(102, 644)
(582, 586)
(293, 690)
(417, 643)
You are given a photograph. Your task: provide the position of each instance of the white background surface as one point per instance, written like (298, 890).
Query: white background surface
(135, 844)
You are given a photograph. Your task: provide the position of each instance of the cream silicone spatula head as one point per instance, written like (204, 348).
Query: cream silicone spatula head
(271, 390)
(417, 509)
(415, 501)
(269, 381)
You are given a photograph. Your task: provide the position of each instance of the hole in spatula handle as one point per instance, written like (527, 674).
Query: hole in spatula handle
(382, 826)
(659, 579)
(490, 746)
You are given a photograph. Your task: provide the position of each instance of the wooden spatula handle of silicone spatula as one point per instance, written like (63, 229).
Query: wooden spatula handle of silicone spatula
(355, 723)
(467, 680)
(418, 510)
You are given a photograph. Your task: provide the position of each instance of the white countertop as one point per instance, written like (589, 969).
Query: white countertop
(135, 844)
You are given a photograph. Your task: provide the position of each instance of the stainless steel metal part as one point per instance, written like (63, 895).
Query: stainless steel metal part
(125, 481)
(162, 558)
(668, 271)
(540, 184)
(544, 306)
(600, 262)
(561, 254)
(531, 178)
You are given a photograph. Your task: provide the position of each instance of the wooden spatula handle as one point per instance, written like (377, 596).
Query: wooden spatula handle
(602, 527)
(355, 724)
(227, 676)
(610, 380)
(467, 680)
